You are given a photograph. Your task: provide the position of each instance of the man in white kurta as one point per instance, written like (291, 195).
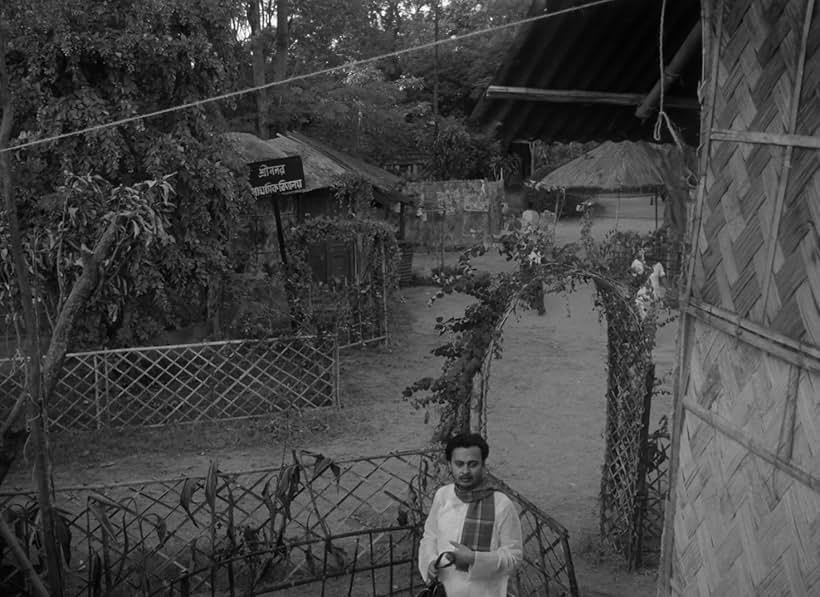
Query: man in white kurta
(484, 553)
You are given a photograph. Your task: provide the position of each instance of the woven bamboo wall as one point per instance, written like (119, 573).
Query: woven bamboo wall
(743, 516)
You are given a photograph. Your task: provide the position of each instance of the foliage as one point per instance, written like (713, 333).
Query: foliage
(381, 110)
(72, 222)
(459, 153)
(24, 520)
(319, 306)
(353, 194)
(265, 552)
(74, 67)
(542, 265)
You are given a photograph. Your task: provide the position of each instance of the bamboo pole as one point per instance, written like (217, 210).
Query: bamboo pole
(710, 49)
(25, 565)
(752, 445)
(566, 96)
(761, 138)
(671, 73)
(771, 342)
(385, 313)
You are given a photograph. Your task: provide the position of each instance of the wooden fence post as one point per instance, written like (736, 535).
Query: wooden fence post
(385, 332)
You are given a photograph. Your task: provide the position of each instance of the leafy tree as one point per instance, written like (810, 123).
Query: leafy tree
(381, 110)
(459, 153)
(75, 65)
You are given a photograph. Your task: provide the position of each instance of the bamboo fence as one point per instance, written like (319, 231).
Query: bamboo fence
(743, 512)
(186, 383)
(330, 526)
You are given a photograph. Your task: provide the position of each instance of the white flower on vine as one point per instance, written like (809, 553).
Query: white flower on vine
(637, 267)
(643, 301)
(655, 280)
(534, 257)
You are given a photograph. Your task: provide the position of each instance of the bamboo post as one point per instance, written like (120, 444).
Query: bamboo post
(390, 555)
(710, 51)
(655, 200)
(441, 245)
(353, 569)
(372, 568)
(97, 382)
(337, 373)
(412, 565)
(25, 565)
(385, 331)
(324, 569)
(573, 582)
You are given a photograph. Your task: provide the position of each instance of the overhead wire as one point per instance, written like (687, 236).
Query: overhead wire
(302, 77)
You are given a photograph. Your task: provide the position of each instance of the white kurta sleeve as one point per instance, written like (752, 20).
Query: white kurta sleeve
(491, 564)
(428, 548)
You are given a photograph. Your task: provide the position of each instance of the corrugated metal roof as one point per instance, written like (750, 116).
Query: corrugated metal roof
(612, 167)
(610, 48)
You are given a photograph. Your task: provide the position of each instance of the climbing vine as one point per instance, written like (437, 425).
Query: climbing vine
(321, 305)
(627, 295)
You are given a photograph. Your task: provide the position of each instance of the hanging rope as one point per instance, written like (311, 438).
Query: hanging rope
(661, 114)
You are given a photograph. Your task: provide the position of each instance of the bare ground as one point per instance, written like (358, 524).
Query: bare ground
(546, 420)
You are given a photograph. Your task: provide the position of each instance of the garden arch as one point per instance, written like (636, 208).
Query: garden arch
(628, 296)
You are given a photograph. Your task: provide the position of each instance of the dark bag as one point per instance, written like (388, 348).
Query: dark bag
(436, 588)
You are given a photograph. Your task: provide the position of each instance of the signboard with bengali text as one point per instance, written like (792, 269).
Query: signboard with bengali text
(280, 175)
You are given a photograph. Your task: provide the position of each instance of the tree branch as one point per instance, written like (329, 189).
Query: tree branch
(77, 298)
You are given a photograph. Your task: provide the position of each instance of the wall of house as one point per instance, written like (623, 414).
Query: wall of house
(743, 516)
(457, 213)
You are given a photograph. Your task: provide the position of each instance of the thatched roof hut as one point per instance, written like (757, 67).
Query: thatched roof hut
(610, 167)
(743, 513)
(324, 167)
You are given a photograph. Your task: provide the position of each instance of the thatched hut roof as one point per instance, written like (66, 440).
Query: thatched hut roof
(626, 166)
(321, 171)
(323, 166)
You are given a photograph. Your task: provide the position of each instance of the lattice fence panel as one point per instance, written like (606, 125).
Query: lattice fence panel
(629, 363)
(140, 537)
(188, 383)
(12, 383)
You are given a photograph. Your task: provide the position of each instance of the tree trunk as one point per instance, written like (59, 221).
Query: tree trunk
(258, 65)
(36, 412)
(280, 63)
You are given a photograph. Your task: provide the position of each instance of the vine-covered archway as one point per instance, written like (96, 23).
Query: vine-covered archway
(628, 296)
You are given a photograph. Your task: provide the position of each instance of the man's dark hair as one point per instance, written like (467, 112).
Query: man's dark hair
(467, 440)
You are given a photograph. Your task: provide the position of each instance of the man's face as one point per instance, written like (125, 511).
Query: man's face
(467, 467)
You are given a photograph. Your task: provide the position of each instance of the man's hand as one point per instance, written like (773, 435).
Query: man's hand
(432, 571)
(464, 556)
